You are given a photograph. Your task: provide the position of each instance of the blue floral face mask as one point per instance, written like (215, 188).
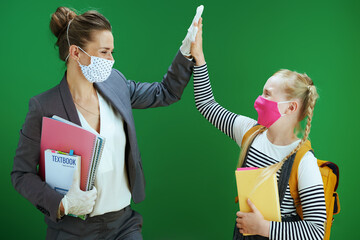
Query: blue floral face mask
(98, 70)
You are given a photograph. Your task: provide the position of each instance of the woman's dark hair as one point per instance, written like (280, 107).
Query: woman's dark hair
(80, 29)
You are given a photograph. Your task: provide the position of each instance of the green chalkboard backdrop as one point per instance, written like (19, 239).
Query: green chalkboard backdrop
(189, 164)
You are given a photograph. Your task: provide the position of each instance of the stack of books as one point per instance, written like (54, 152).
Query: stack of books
(60, 137)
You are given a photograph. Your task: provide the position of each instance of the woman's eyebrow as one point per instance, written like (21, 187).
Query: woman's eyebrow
(107, 48)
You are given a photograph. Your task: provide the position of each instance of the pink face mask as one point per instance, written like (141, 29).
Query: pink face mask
(268, 111)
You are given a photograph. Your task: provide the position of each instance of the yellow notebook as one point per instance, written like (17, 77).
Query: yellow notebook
(265, 195)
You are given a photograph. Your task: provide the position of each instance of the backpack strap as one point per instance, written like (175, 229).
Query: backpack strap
(284, 177)
(293, 181)
(249, 133)
(245, 137)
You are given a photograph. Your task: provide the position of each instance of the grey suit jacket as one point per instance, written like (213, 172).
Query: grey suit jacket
(123, 95)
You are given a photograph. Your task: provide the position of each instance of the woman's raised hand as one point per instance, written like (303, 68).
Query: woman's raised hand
(191, 33)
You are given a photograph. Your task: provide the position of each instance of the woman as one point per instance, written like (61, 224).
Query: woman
(105, 107)
(288, 97)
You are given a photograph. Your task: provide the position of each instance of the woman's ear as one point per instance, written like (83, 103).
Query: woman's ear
(74, 52)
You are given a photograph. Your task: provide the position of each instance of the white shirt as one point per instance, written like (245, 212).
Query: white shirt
(111, 182)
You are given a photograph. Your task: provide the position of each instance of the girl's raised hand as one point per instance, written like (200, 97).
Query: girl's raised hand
(196, 49)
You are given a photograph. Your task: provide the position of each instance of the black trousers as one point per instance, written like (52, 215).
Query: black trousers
(125, 224)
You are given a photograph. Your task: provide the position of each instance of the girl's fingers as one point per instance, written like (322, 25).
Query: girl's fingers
(240, 214)
(198, 23)
(252, 206)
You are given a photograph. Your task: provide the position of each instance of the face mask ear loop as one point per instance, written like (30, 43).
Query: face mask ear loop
(283, 114)
(84, 51)
(67, 37)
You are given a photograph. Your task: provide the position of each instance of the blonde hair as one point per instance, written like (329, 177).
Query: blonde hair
(297, 86)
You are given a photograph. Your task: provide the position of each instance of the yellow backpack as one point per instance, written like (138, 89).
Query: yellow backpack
(330, 176)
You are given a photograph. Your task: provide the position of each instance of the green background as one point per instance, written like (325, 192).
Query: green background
(189, 165)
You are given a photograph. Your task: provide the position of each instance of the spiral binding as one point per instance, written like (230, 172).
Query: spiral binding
(94, 166)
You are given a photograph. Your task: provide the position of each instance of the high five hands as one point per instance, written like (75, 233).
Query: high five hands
(192, 44)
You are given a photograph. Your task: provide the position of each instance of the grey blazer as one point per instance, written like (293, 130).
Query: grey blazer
(123, 95)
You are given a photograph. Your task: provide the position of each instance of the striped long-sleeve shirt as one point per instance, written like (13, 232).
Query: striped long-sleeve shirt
(263, 153)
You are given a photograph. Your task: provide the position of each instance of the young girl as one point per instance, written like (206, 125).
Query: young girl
(288, 97)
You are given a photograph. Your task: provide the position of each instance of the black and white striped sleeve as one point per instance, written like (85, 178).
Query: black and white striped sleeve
(311, 192)
(312, 226)
(207, 106)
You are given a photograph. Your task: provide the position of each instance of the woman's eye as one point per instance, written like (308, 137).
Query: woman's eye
(105, 52)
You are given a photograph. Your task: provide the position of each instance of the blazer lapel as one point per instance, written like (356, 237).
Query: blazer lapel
(109, 94)
(68, 101)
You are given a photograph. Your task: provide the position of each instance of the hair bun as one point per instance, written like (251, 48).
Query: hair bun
(60, 19)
